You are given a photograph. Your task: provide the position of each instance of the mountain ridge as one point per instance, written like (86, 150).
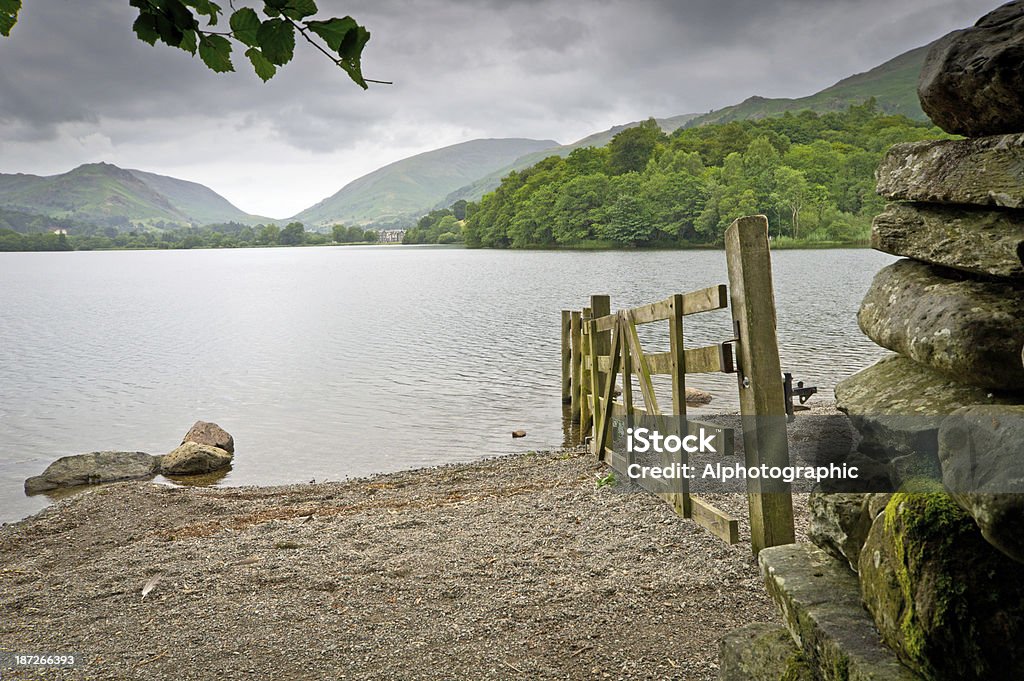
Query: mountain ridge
(108, 195)
(413, 185)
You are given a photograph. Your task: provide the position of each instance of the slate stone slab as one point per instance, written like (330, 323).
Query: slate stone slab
(985, 171)
(970, 330)
(897, 405)
(820, 603)
(987, 242)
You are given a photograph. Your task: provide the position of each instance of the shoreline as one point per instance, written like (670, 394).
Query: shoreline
(517, 564)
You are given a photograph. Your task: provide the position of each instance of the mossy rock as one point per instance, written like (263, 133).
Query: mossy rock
(950, 605)
(762, 651)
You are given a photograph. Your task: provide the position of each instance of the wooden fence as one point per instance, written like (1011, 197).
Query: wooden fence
(598, 346)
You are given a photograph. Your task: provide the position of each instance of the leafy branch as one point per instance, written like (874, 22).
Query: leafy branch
(269, 42)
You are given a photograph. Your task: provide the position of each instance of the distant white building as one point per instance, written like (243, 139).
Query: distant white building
(59, 230)
(390, 236)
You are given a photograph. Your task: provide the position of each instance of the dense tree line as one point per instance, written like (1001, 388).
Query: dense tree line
(811, 174)
(225, 235)
(442, 226)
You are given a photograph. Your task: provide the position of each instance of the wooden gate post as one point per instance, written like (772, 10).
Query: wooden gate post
(576, 371)
(600, 306)
(762, 401)
(566, 356)
(586, 408)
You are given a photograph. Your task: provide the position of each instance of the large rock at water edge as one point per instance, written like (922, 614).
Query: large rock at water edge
(988, 242)
(93, 468)
(193, 458)
(982, 454)
(950, 605)
(972, 81)
(986, 171)
(206, 433)
(970, 330)
(897, 405)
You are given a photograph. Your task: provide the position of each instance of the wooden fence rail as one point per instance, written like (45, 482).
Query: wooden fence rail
(600, 347)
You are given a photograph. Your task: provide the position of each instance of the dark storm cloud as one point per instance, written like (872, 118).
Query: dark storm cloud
(494, 68)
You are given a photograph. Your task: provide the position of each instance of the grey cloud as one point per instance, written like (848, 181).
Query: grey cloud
(493, 68)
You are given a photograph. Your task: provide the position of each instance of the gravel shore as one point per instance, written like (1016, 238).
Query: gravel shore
(514, 567)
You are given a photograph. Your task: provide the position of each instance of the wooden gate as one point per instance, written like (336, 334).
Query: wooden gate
(599, 346)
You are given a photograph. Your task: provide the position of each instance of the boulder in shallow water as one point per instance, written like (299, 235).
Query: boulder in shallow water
(93, 468)
(972, 80)
(193, 458)
(207, 433)
(695, 397)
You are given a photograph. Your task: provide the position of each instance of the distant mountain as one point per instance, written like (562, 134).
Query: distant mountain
(480, 186)
(893, 85)
(412, 186)
(101, 193)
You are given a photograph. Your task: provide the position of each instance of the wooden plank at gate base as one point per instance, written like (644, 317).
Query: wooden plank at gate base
(718, 522)
(566, 356)
(576, 371)
(762, 401)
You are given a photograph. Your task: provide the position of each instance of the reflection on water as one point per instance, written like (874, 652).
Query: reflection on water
(332, 362)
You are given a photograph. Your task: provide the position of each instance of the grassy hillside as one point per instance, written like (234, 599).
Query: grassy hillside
(198, 202)
(480, 186)
(103, 194)
(893, 85)
(412, 186)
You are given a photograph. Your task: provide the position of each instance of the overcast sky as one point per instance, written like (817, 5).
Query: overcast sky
(76, 86)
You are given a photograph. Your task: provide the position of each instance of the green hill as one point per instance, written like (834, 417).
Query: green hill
(410, 187)
(103, 194)
(893, 85)
(198, 202)
(480, 186)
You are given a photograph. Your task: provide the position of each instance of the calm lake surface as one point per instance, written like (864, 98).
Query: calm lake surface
(329, 363)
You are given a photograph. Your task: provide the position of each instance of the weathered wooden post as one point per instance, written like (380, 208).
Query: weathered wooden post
(600, 346)
(762, 402)
(682, 502)
(576, 370)
(566, 356)
(586, 409)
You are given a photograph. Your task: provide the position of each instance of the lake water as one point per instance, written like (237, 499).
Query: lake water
(332, 362)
